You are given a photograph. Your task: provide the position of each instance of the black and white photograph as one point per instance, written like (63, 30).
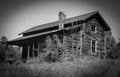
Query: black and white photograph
(59, 38)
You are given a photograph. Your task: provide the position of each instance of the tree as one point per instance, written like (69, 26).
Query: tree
(18, 52)
(3, 48)
(8, 51)
(53, 48)
(2, 52)
(117, 53)
(110, 47)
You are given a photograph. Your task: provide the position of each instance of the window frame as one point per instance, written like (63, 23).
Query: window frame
(93, 29)
(95, 46)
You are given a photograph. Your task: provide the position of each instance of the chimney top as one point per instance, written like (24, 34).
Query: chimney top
(62, 16)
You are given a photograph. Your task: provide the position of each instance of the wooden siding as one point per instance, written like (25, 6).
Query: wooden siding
(73, 40)
(84, 36)
(76, 40)
(88, 35)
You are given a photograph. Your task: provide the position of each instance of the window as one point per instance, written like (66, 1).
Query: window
(93, 28)
(67, 25)
(78, 23)
(93, 46)
(74, 23)
(70, 24)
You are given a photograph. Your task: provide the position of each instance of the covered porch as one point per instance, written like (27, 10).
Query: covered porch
(32, 45)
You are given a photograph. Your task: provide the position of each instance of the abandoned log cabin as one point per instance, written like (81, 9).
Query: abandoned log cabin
(80, 35)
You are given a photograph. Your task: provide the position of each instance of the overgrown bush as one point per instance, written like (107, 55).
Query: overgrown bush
(77, 68)
(8, 51)
(53, 49)
(111, 48)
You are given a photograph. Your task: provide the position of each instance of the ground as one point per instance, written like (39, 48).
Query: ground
(77, 68)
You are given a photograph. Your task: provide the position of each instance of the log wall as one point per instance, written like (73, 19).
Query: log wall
(79, 42)
(76, 40)
(89, 35)
(73, 40)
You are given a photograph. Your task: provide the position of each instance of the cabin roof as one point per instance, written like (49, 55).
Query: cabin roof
(16, 41)
(84, 17)
(20, 40)
(67, 20)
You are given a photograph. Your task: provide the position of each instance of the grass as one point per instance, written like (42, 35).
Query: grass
(77, 68)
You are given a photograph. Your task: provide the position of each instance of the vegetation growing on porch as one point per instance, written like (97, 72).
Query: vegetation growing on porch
(54, 48)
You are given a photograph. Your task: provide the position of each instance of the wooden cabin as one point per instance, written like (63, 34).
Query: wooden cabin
(81, 35)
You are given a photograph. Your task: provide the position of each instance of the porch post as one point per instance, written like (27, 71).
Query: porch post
(28, 51)
(73, 45)
(81, 42)
(33, 51)
(38, 49)
(81, 33)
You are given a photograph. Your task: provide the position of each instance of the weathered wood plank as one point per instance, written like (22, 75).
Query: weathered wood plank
(28, 52)
(33, 50)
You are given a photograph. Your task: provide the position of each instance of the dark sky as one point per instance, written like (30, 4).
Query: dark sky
(19, 15)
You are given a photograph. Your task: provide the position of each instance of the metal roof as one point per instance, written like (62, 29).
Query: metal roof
(15, 41)
(56, 23)
(52, 24)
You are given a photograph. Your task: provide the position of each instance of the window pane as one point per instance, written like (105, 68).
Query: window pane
(93, 46)
(93, 28)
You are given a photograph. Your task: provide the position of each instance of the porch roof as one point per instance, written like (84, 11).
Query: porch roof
(21, 40)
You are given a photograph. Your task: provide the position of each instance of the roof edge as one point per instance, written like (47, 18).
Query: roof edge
(94, 12)
(104, 20)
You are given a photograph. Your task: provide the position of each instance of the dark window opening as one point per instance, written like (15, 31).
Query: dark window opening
(67, 25)
(78, 22)
(70, 24)
(93, 46)
(93, 28)
(74, 23)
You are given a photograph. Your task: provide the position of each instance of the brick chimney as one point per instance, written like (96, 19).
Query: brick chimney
(62, 17)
